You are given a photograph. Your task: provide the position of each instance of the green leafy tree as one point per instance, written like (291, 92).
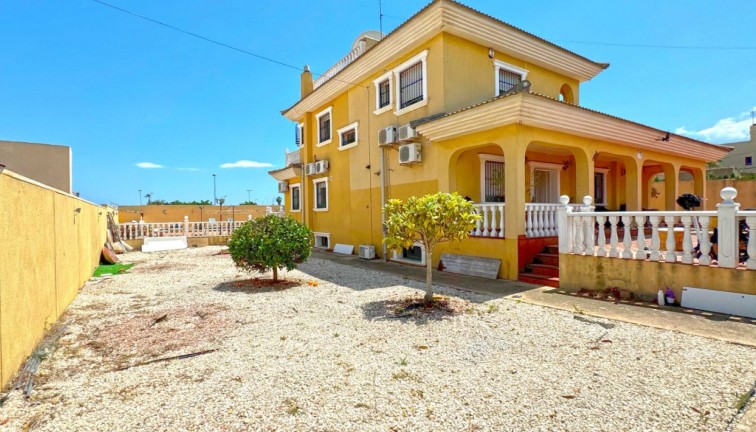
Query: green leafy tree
(430, 219)
(248, 203)
(270, 242)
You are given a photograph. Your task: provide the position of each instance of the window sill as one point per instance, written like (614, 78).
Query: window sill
(412, 107)
(348, 146)
(380, 111)
(323, 143)
(320, 210)
(295, 211)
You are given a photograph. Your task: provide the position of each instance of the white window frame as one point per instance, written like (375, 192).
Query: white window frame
(315, 194)
(555, 188)
(485, 157)
(300, 129)
(397, 256)
(346, 128)
(377, 83)
(604, 172)
(321, 234)
(421, 57)
(291, 197)
(499, 65)
(328, 111)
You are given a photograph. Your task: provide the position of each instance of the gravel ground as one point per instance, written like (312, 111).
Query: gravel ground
(328, 352)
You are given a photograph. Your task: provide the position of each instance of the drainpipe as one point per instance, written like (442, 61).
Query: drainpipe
(383, 203)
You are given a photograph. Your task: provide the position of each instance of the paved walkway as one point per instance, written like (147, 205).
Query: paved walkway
(712, 325)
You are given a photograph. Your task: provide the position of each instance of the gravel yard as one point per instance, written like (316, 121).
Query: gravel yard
(333, 350)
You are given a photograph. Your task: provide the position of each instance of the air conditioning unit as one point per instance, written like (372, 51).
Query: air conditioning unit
(387, 136)
(410, 153)
(407, 133)
(367, 252)
(310, 168)
(283, 186)
(321, 167)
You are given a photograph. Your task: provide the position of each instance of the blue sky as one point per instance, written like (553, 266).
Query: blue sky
(122, 91)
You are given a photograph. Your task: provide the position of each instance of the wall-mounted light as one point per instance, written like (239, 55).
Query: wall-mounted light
(566, 165)
(490, 53)
(77, 210)
(639, 155)
(622, 172)
(595, 156)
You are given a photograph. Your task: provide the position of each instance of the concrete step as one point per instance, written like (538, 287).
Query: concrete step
(553, 249)
(537, 279)
(545, 270)
(547, 258)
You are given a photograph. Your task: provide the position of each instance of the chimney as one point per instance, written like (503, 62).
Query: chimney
(306, 82)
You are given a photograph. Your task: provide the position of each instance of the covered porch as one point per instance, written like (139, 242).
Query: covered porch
(514, 156)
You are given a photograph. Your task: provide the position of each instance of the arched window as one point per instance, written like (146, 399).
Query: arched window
(566, 94)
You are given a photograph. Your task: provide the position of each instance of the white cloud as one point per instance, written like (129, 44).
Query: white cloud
(246, 164)
(148, 165)
(188, 169)
(726, 130)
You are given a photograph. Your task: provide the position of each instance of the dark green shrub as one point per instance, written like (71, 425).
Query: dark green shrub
(270, 242)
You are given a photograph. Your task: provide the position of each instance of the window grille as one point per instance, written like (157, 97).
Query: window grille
(494, 181)
(384, 94)
(324, 123)
(411, 85)
(508, 80)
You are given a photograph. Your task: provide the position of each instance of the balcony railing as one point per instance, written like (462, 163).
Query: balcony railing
(292, 158)
(341, 64)
(491, 223)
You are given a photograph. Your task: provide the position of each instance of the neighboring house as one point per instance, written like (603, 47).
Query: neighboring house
(443, 104)
(741, 160)
(46, 163)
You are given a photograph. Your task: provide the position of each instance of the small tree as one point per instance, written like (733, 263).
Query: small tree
(270, 242)
(430, 219)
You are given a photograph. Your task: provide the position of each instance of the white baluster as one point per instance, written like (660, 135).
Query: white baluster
(640, 222)
(486, 226)
(687, 256)
(477, 223)
(553, 221)
(704, 243)
(579, 247)
(492, 209)
(588, 237)
(627, 240)
(540, 210)
(501, 220)
(671, 255)
(751, 248)
(655, 253)
(601, 236)
(529, 220)
(614, 239)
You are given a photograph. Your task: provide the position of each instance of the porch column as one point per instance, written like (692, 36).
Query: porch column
(634, 196)
(671, 188)
(583, 173)
(515, 189)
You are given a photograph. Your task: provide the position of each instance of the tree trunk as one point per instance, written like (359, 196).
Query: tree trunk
(428, 276)
(275, 274)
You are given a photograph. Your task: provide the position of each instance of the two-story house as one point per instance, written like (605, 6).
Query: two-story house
(456, 100)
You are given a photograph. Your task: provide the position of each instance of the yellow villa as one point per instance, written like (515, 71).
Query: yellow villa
(456, 100)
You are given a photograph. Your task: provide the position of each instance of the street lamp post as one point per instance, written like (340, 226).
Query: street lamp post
(215, 195)
(140, 197)
(249, 197)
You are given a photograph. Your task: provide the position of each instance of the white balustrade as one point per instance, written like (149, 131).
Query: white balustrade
(341, 64)
(491, 223)
(578, 228)
(136, 231)
(541, 219)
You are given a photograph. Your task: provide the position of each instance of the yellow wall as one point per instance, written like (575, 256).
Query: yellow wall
(176, 213)
(647, 278)
(48, 252)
